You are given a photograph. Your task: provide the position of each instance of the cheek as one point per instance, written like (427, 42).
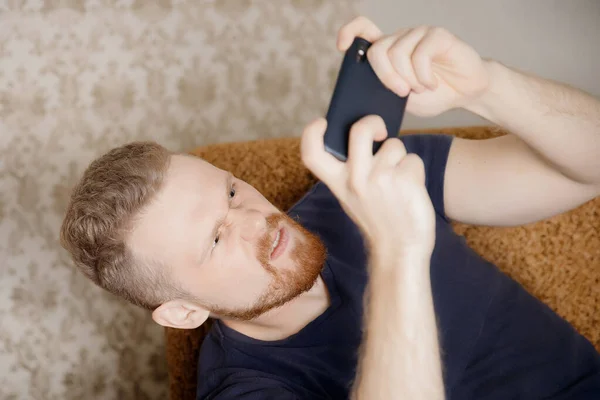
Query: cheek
(235, 282)
(241, 265)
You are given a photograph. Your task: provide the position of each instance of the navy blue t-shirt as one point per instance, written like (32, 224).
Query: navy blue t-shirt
(497, 341)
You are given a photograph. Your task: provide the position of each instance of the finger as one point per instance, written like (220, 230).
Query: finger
(400, 55)
(314, 156)
(435, 43)
(359, 27)
(411, 167)
(381, 64)
(360, 147)
(390, 153)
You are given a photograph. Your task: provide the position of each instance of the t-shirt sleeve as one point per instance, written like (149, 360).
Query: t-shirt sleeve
(250, 386)
(241, 392)
(433, 149)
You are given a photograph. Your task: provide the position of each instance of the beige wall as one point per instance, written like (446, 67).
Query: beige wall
(557, 39)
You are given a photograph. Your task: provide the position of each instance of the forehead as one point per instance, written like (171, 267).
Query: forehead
(185, 169)
(192, 190)
(190, 180)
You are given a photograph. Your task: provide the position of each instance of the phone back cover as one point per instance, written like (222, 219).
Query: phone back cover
(359, 92)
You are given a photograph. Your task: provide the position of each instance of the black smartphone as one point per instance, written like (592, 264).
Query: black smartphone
(359, 92)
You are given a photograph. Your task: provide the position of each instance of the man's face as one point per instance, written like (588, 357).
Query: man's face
(224, 244)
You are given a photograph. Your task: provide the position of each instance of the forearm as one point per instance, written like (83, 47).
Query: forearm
(560, 123)
(400, 352)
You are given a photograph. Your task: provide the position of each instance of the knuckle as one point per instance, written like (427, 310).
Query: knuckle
(419, 55)
(376, 52)
(355, 185)
(373, 120)
(380, 46)
(380, 179)
(413, 166)
(398, 146)
(356, 26)
(413, 160)
(398, 55)
(392, 146)
(401, 146)
(346, 30)
(362, 20)
(440, 31)
(390, 78)
(396, 50)
(306, 152)
(306, 157)
(308, 136)
(309, 158)
(310, 161)
(366, 125)
(422, 28)
(358, 128)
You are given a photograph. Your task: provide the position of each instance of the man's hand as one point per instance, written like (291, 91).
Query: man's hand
(439, 70)
(548, 164)
(384, 193)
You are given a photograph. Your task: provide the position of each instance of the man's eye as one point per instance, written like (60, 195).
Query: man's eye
(215, 241)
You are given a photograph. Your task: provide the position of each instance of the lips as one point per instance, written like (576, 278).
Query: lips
(279, 243)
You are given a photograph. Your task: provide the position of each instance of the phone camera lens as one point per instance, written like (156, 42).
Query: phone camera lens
(360, 54)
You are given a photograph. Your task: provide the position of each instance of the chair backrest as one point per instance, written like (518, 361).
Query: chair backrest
(557, 260)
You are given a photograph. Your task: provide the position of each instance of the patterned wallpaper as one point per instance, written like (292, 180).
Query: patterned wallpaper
(79, 77)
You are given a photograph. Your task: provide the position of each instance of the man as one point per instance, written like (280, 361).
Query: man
(176, 235)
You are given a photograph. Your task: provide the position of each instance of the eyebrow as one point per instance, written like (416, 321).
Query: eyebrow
(219, 221)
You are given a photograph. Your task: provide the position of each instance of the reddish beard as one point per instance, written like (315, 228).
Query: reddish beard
(308, 256)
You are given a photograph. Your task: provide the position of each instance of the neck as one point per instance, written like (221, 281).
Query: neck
(285, 321)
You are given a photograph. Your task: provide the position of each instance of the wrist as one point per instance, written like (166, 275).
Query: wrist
(389, 257)
(391, 246)
(486, 104)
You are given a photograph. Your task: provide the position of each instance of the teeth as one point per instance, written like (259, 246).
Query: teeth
(276, 242)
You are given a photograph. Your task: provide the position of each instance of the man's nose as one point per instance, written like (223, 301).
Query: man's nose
(252, 224)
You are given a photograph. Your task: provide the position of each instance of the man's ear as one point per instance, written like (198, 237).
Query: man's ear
(180, 314)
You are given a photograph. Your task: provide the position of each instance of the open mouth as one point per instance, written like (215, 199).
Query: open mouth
(279, 244)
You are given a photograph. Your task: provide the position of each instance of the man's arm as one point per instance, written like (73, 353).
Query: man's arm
(559, 122)
(550, 163)
(399, 356)
(386, 196)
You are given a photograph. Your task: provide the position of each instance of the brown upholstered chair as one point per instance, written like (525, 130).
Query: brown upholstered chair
(558, 260)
